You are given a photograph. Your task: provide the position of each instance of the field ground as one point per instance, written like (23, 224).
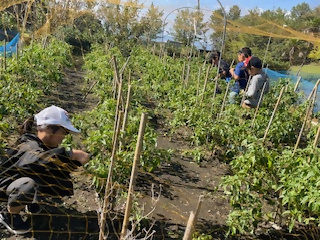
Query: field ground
(181, 182)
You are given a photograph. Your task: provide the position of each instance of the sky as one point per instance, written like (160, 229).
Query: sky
(245, 5)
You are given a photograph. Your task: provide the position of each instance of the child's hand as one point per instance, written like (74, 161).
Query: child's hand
(80, 156)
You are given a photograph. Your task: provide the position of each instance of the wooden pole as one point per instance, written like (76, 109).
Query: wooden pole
(136, 159)
(182, 75)
(154, 49)
(109, 179)
(297, 84)
(164, 57)
(192, 221)
(91, 87)
(117, 109)
(125, 117)
(124, 67)
(129, 77)
(224, 99)
(232, 63)
(188, 74)
(259, 102)
(198, 84)
(205, 83)
(273, 114)
(17, 51)
(116, 70)
(315, 86)
(116, 77)
(215, 86)
(316, 138)
(309, 107)
(314, 98)
(265, 54)
(5, 54)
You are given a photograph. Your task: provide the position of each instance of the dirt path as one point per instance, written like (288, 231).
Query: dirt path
(181, 182)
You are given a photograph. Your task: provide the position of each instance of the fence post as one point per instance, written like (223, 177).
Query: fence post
(136, 159)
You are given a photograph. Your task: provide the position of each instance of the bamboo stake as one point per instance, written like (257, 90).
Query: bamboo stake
(316, 138)
(308, 113)
(297, 84)
(164, 57)
(315, 86)
(114, 87)
(117, 109)
(136, 159)
(5, 54)
(273, 113)
(224, 99)
(161, 49)
(259, 102)
(116, 70)
(129, 95)
(205, 60)
(182, 75)
(198, 84)
(109, 179)
(154, 49)
(232, 63)
(129, 77)
(125, 117)
(265, 54)
(314, 98)
(192, 221)
(302, 127)
(91, 87)
(188, 74)
(116, 77)
(205, 83)
(17, 51)
(215, 86)
(124, 67)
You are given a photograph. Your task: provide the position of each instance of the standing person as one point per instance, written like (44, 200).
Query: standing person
(240, 74)
(224, 70)
(256, 84)
(37, 168)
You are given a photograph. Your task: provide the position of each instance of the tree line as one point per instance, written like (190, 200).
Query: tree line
(82, 23)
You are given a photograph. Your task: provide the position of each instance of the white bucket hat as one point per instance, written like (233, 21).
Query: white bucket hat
(55, 116)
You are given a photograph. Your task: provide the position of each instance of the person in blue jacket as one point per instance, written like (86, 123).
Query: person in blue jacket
(240, 74)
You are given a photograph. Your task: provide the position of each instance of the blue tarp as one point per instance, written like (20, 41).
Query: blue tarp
(11, 47)
(304, 85)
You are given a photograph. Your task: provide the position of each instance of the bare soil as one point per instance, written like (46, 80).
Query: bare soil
(167, 195)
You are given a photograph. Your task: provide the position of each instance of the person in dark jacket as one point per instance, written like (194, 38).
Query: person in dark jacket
(224, 69)
(36, 167)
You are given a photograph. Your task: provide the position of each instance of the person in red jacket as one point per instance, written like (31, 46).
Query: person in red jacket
(36, 167)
